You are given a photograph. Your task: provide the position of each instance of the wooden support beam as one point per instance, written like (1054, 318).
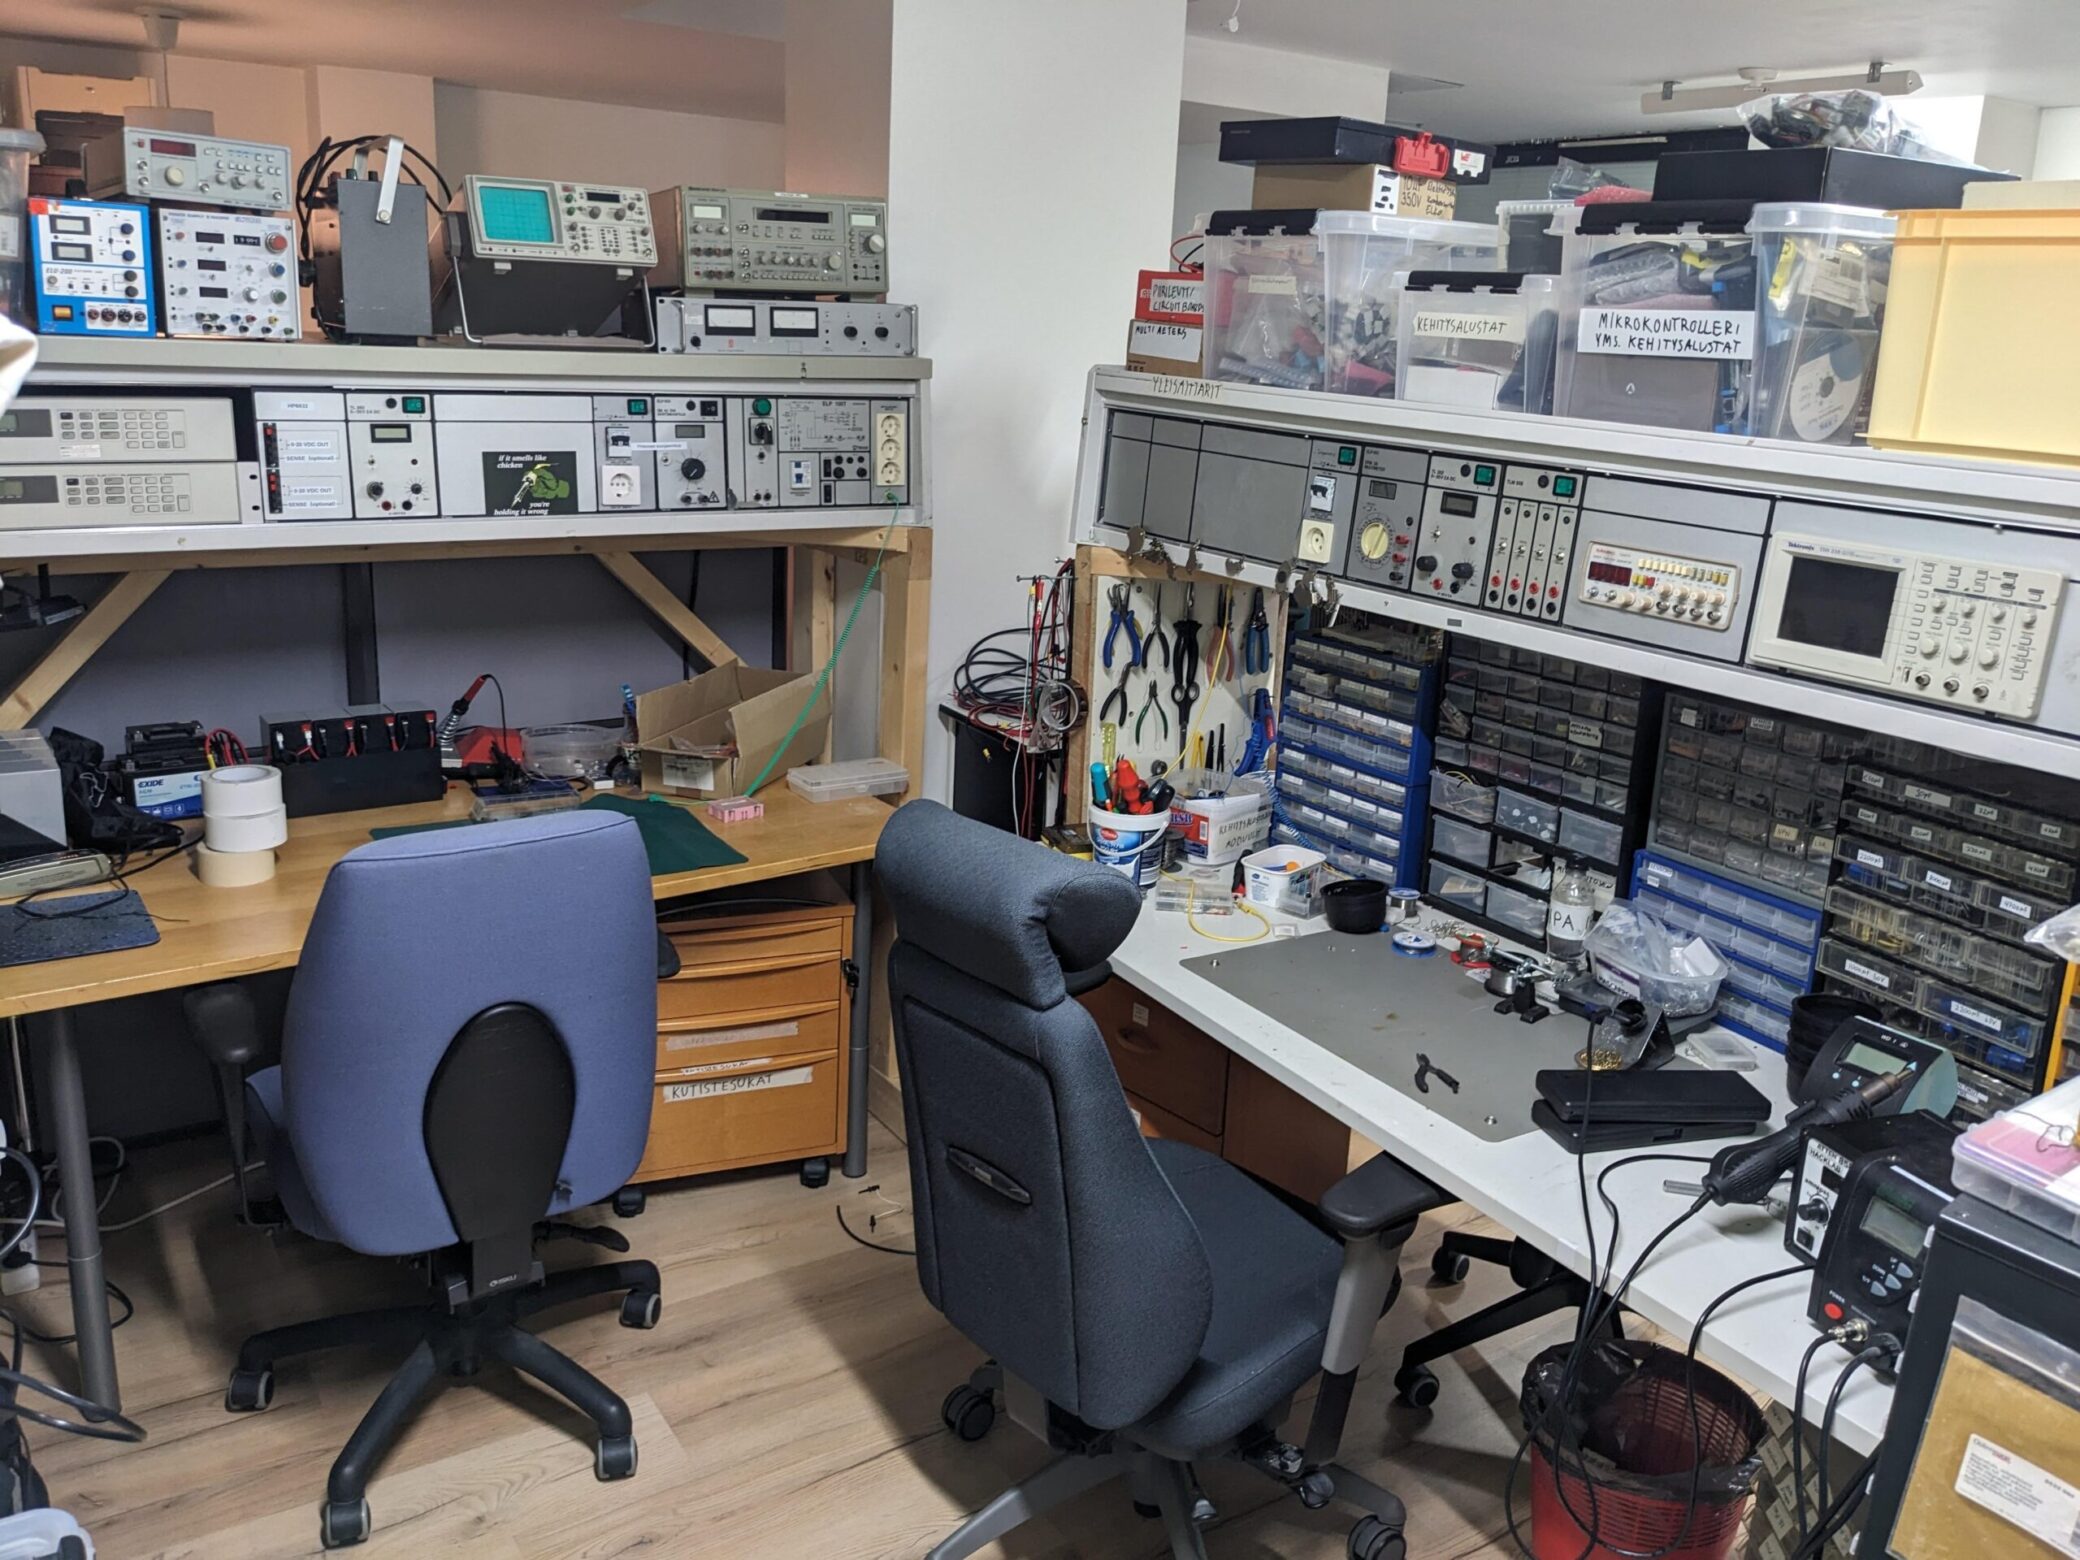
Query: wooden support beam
(815, 615)
(906, 611)
(675, 614)
(61, 663)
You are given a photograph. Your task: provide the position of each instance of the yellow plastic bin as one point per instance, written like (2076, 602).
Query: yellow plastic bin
(1982, 329)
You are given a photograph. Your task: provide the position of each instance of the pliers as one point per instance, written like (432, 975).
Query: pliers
(1151, 705)
(1223, 642)
(1157, 634)
(1256, 640)
(1119, 692)
(1184, 664)
(1122, 598)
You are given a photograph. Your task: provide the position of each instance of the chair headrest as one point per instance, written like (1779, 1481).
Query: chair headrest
(998, 908)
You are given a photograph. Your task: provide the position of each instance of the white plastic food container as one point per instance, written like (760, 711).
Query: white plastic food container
(1366, 260)
(1824, 272)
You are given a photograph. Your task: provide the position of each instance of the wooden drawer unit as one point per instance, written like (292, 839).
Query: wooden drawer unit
(753, 1044)
(1157, 1122)
(1160, 1057)
(745, 1116)
(747, 1037)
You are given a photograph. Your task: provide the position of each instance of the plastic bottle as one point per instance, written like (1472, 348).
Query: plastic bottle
(1570, 911)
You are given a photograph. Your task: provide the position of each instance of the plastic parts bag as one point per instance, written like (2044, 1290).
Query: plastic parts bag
(1625, 1423)
(1861, 121)
(1636, 955)
(2059, 935)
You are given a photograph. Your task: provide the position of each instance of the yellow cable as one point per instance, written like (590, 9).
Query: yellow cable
(1192, 920)
(1205, 698)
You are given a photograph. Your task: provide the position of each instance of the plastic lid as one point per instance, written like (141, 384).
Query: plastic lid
(20, 141)
(1481, 282)
(1419, 230)
(1810, 217)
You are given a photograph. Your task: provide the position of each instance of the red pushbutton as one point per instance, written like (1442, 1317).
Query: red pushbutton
(276, 243)
(1832, 1311)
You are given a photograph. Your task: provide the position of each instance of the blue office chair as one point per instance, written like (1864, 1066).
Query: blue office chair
(468, 1052)
(1146, 1304)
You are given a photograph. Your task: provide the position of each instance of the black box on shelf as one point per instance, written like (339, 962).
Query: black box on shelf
(1832, 175)
(1331, 139)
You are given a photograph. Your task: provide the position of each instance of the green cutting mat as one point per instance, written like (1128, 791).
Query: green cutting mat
(674, 839)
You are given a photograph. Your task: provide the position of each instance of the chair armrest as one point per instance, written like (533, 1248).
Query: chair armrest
(1077, 982)
(667, 957)
(1378, 1195)
(225, 1024)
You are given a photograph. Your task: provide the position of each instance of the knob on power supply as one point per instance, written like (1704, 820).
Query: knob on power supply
(693, 468)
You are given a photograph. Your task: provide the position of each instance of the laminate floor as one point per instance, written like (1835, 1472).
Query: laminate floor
(786, 1407)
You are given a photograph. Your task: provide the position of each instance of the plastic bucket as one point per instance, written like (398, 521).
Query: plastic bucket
(1129, 843)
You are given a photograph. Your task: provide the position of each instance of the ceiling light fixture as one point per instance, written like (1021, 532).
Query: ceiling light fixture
(1674, 98)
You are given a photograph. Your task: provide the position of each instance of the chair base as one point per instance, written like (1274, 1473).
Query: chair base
(1165, 1489)
(1544, 1287)
(452, 1342)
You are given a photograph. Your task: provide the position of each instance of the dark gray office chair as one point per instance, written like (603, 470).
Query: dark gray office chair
(1146, 1305)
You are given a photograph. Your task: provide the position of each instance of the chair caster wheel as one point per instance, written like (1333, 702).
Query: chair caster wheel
(816, 1173)
(1450, 1267)
(1416, 1385)
(630, 1201)
(342, 1523)
(250, 1391)
(1147, 1513)
(614, 1458)
(969, 1414)
(640, 1309)
(1372, 1539)
(1315, 1490)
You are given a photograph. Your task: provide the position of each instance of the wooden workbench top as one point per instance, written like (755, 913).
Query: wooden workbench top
(210, 934)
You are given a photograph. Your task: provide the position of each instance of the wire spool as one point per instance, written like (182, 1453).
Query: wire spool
(1414, 945)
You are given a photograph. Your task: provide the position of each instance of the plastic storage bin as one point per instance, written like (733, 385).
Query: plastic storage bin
(2025, 1160)
(1980, 337)
(1480, 340)
(1366, 260)
(1532, 232)
(853, 777)
(17, 147)
(1820, 307)
(1265, 302)
(1657, 316)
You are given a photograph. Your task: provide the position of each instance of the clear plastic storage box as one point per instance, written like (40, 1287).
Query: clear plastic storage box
(1657, 316)
(1482, 340)
(1532, 233)
(852, 777)
(1366, 261)
(1824, 271)
(1266, 303)
(2025, 1160)
(17, 148)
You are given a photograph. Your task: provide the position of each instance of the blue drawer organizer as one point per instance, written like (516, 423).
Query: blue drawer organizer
(1768, 943)
(1354, 733)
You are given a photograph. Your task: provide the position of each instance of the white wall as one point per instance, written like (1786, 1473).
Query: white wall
(1205, 184)
(2058, 144)
(520, 135)
(1228, 71)
(1009, 120)
(2008, 136)
(837, 96)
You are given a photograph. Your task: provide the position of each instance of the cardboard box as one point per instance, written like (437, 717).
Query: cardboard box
(1176, 297)
(733, 703)
(1157, 347)
(1370, 187)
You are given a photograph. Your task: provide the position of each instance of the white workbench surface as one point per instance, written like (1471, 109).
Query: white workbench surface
(1528, 1185)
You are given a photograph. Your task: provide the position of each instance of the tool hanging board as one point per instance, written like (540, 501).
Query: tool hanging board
(1221, 702)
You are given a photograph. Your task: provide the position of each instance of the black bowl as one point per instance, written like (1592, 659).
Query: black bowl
(1355, 905)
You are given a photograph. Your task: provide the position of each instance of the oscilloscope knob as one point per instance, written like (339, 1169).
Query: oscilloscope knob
(693, 468)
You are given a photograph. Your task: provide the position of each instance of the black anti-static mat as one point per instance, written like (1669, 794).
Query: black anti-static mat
(1352, 994)
(57, 927)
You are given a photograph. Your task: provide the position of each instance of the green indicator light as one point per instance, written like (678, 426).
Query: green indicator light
(1563, 487)
(1483, 476)
(637, 406)
(415, 404)
(1346, 456)
(762, 406)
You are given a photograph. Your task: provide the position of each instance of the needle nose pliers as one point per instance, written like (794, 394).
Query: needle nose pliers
(1256, 640)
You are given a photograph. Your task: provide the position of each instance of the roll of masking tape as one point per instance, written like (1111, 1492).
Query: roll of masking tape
(241, 791)
(233, 869)
(262, 831)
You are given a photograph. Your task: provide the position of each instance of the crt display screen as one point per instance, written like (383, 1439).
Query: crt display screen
(1894, 1226)
(514, 215)
(1838, 606)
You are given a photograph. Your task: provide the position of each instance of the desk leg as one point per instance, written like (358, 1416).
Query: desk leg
(862, 1016)
(97, 1345)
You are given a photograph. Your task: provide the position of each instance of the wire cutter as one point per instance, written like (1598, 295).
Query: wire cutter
(1223, 667)
(1157, 635)
(1184, 665)
(1119, 692)
(1122, 598)
(1256, 640)
(1151, 705)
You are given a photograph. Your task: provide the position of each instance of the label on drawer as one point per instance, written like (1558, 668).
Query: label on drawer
(747, 1083)
(1870, 858)
(2018, 907)
(704, 1068)
(1939, 800)
(1140, 1012)
(1865, 973)
(1938, 880)
(696, 1038)
(1965, 1013)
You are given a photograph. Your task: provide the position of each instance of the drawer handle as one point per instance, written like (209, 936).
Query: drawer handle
(990, 1176)
(757, 967)
(1132, 1039)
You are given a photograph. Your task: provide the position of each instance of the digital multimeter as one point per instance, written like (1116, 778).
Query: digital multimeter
(1863, 1049)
